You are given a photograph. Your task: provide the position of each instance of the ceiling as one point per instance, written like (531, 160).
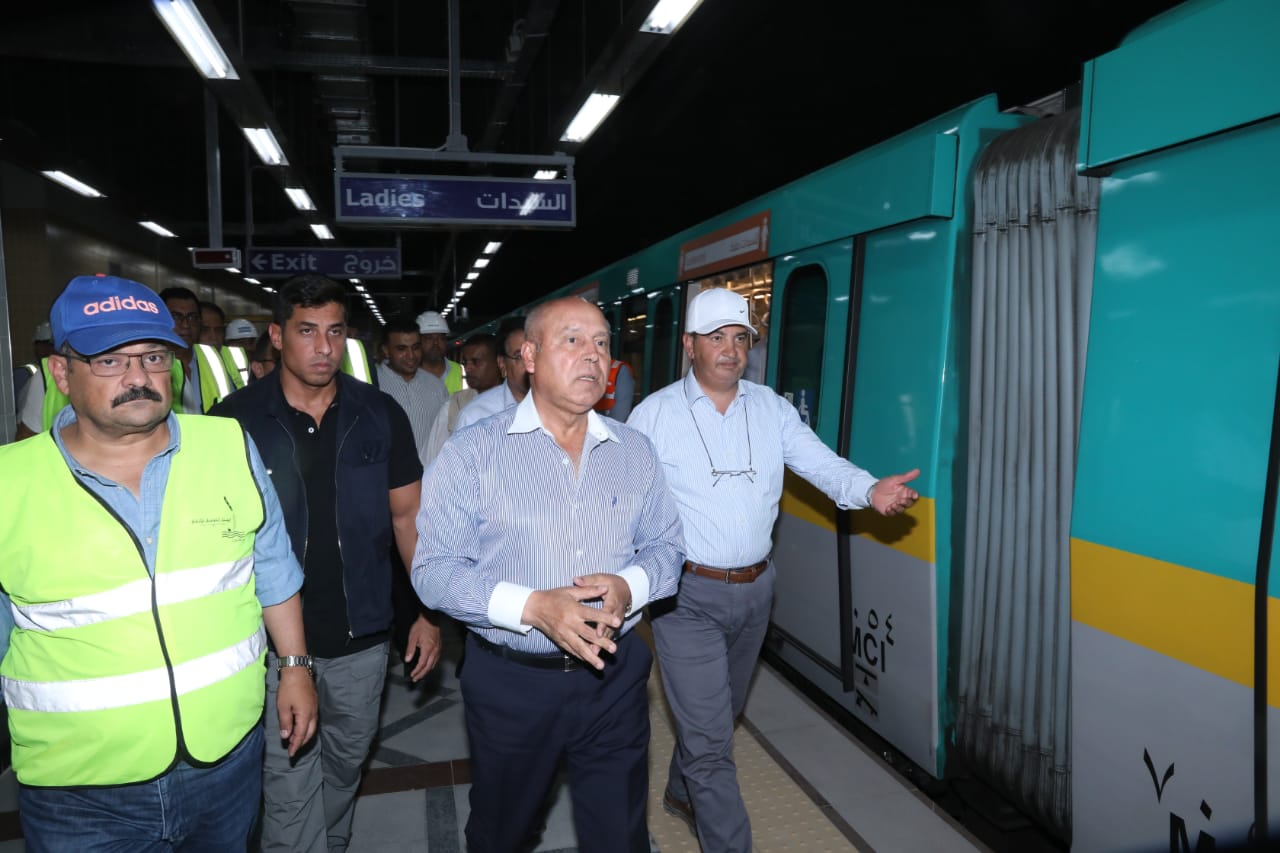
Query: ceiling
(747, 95)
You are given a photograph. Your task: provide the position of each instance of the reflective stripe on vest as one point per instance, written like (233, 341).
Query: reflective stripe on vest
(134, 688)
(31, 368)
(134, 597)
(605, 403)
(110, 675)
(239, 365)
(215, 383)
(354, 362)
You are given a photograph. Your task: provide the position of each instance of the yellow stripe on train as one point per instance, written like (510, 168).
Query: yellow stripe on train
(1196, 617)
(912, 533)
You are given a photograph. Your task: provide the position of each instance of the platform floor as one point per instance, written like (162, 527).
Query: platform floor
(808, 784)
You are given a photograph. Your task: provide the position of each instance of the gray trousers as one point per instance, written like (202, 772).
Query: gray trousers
(707, 649)
(309, 800)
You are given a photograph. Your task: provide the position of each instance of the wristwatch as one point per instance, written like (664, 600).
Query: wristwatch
(295, 660)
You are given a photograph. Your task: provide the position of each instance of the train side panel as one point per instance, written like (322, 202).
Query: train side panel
(1177, 424)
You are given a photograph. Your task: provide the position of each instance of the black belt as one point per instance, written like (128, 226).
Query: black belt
(746, 574)
(558, 661)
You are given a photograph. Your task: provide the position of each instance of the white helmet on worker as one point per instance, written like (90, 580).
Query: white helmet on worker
(431, 323)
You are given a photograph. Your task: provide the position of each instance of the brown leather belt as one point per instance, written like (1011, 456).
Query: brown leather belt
(746, 574)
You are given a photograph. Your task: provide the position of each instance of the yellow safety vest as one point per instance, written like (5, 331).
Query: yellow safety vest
(354, 361)
(453, 381)
(113, 675)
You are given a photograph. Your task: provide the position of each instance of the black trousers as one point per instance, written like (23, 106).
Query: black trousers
(523, 721)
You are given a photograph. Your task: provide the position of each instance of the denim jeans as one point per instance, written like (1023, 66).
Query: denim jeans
(190, 809)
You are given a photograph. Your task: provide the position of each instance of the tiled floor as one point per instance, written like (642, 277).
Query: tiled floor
(808, 785)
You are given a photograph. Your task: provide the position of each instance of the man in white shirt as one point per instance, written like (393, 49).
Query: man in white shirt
(510, 338)
(419, 393)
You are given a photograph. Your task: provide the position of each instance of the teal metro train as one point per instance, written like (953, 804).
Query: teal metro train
(1071, 324)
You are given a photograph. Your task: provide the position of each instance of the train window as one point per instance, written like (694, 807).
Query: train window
(664, 341)
(804, 304)
(631, 336)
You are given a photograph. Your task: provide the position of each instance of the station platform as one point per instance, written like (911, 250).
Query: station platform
(808, 784)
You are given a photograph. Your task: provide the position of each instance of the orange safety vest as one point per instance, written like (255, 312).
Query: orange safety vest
(605, 404)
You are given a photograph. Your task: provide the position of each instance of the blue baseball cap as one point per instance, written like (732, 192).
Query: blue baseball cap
(96, 313)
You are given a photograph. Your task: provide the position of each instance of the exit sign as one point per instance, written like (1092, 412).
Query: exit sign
(215, 259)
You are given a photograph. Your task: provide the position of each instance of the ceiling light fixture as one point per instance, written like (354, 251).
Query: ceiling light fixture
(252, 280)
(264, 142)
(481, 263)
(360, 288)
(156, 228)
(491, 248)
(72, 184)
(594, 110)
(322, 231)
(300, 199)
(466, 285)
(667, 16)
(545, 175)
(473, 275)
(188, 28)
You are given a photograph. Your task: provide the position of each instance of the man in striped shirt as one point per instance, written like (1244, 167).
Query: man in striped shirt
(547, 529)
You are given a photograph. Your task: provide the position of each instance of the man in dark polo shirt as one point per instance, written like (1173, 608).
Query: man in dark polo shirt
(342, 458)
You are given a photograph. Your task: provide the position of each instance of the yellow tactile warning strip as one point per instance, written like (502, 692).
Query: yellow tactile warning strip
(783, 817)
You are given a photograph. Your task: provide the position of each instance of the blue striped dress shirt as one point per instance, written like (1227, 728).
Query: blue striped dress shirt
(728, 520)
(504, 513)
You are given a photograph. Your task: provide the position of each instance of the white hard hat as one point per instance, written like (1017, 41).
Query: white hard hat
(431, 323)
(240, 329)
(717, 307)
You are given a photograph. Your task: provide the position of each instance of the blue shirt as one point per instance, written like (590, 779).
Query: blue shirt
(490, 402)
(277, 575)
(728, 519)
(504, 513)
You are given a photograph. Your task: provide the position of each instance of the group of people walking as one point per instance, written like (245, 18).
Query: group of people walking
(220, 565)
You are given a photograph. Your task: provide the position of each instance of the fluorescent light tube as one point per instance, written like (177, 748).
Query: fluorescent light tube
(300, 199)
(322, 231)
(188, 28)
(360, 288)
(545, 175)
(264, 142)
(667, 16)
(252, 280)
(466, 285)
(155, 228)
(481, 263)
(473, 275)
(593, 111)
(490, 248)
(233, 270)
(72, 184)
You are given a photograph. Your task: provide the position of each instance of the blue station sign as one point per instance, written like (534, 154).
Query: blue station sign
(338, 263)
(409, 200)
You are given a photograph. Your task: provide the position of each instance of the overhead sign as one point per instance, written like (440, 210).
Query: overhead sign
(743, 242)
(339, 263)
(429, 200)
(215, 259)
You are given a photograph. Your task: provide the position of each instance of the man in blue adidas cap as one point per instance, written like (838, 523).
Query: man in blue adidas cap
(132, 652)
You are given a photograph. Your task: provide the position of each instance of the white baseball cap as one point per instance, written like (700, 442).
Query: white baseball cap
(239, 329)
(431, 323)
(716, 307)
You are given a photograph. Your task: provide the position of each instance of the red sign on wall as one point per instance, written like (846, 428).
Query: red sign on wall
(732, 246)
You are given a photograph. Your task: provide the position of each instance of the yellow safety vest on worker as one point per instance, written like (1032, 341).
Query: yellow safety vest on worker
(112, 675)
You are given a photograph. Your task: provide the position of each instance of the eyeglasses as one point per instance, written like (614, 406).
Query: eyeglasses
(117, 363)
(186, 319)
(718, 474)
(515, 357)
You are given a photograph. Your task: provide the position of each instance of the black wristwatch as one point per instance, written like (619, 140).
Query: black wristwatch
(295, 660)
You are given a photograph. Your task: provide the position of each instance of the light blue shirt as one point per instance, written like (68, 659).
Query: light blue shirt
(728, 520)
(277, 575)
(504, 513)
(490, 402)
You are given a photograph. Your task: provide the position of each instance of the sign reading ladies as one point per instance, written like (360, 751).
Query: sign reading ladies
(430, 200)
